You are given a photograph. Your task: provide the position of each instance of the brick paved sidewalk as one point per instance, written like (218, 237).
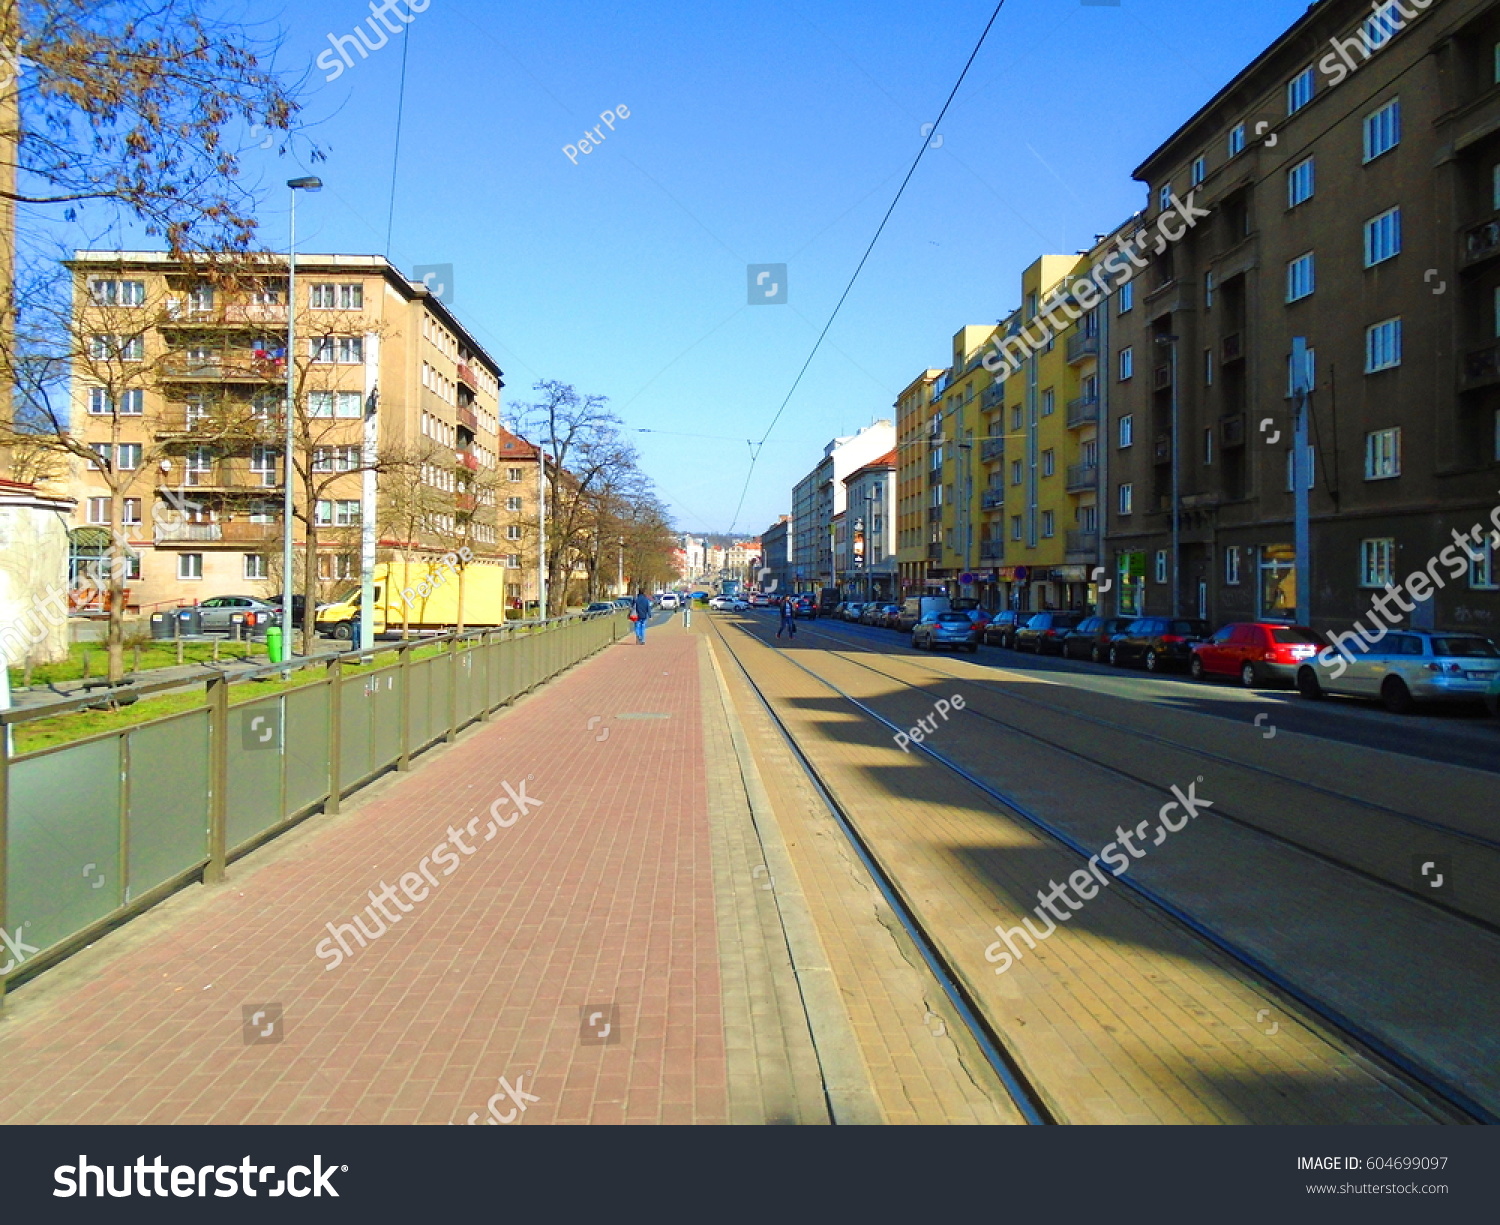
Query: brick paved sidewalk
(556, 862)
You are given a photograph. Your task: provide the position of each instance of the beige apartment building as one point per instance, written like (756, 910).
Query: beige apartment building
(1351, 180)
(919, 542)
(179, 382)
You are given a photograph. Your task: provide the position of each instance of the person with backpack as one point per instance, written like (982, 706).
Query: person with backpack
(640, 611)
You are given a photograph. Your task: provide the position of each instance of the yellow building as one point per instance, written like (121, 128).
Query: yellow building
(913, 425)
(955, 434)
(179, 387)
(1036, 493)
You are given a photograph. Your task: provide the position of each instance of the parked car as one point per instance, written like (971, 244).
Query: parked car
(222, 613)
(728, 603)
(1043, 634)
(601, 606)
(979, 616)
(837, 612)
(805, 607)
(853, 609)
(1157, 642)
(919, 608)
(756, 600)
(1001, 630)
(1257, 652)
(892, 617)
(1407, 667)
(875, 613)
(1089, 639)
(946, 629)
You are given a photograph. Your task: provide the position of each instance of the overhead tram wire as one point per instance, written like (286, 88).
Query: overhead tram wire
(900, 191)
(390, 216)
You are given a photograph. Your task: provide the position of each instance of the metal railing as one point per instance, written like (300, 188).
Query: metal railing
(96, 831)
(1083, 410)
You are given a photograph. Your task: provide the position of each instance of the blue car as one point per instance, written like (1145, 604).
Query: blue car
(946, 629)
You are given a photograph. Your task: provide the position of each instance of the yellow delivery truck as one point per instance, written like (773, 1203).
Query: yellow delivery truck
(425, 597)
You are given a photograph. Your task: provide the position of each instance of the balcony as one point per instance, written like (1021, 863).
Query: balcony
(1162, 453)
(934, 476)
(1481, 242)
(934, 514)
(465, 503)
(935, 551)
(1082, 476)
(991, 449)
(1161, 377)
(229, 428)
(993, 398)
(992, 499)
(467, 418)
(1233, 348)
(1082, 347)
(992, 550)
(1481, 366)
(239, 366)
(233, 533)
(1083, 542)
(1232, 431)
(466, 459)
(1083, 411)
(181, 312)
(467, 376)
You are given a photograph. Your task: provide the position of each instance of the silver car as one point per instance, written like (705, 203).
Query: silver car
(1406, 667)
(222, 613)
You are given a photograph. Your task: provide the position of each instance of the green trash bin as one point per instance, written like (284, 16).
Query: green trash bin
(273, 644)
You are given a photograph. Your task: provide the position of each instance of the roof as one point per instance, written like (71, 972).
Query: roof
(888, 460)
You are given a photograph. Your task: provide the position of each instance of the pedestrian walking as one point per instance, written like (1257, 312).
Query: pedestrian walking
(788, 619)
(639, 612)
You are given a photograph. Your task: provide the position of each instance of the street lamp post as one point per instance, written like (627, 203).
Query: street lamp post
(1171, 343)
(620, 579)
(308, 183)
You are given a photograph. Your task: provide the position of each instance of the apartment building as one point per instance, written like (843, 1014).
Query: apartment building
(949, 449)
(773, 574)
(179, 386)
(1351, 179)
(918, 543)
(869, 554)
(820, 496)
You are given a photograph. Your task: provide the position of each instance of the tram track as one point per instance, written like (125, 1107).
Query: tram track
(1449, 1097)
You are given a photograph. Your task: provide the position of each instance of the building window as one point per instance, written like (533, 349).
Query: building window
(118, 293)
(1482, 568)
(1163, 201)
(128, 457)
(339, 350)
(1208, 367)
(201, 298)
(1127, 430)
(345, 404)
(1015, 527)
(1049, 462)
(1232, 566)
(99, 511)
(263, 512)
(1049, 402)
(1208, 445)
(513, 504)
(1127, 499)
(1127, 363)
(1237, 140)
(1383, 129)
(1312, 471)
(1382, 237)
(1383, 454)
(189, 565)
(1291, 374)
(1161, 565)
(1208, 291)
(513, 531)
(1299, 277)
(1200, 169)
(337, 297)
(1049, 523)
(1383, 346)
(1377, 562)
(515, 475)
(1299, 91)
(512, 561)
(1299, 183)
(341, 512)
(335, 459)
(337, 566)
(1016, 417)
(1380, 28)
(1127, 297)
(131, 512)
(255, 566)
(1015, 472)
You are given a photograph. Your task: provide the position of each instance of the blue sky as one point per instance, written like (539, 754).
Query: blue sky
(768, 132)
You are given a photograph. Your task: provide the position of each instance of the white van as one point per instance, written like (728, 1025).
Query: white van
(919, 608)
(670, 600)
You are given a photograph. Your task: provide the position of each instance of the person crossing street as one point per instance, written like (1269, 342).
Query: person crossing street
(788, 618)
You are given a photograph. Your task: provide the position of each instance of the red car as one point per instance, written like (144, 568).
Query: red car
(1257, 652)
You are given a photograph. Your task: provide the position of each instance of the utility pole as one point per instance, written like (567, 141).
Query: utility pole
(541, 510)
(289, 440)
(367, 504)
(1302, 536)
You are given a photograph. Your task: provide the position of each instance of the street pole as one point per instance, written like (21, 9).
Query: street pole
(289, 440)
(541, 503)
(1302, 536)
(367, 506)
(620, 581)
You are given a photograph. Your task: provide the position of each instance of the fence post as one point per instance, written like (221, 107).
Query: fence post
(452, 690)
(487, 645)
(218, 778)
(335, 735)
(403, 763)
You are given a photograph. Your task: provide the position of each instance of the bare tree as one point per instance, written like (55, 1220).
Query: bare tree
(412, 502)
